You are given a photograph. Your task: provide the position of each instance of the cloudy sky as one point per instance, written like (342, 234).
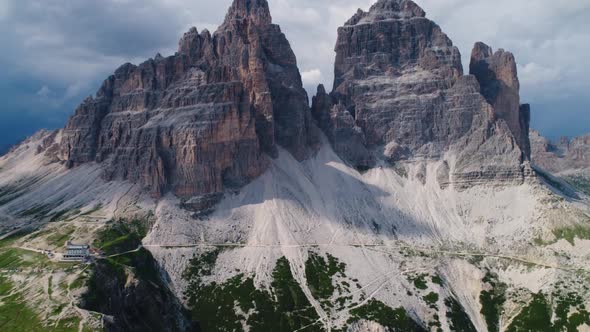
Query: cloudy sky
(56, 52)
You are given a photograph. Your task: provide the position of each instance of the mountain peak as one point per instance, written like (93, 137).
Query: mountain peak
(388, 10)
(255, 10)
(215, 148)
(481, 51)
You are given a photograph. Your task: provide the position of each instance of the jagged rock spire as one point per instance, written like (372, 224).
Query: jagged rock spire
(487, 65)
(255, 10)
(387, 9)
(204, 119)
(400, 94)
(497, 75)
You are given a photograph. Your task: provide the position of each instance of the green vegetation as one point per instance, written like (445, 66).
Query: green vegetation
(214, 305)
(19, 259)
(17, 312)
(15, 315)
(121, 236)
(49, 286)
(295, 309)
(319, 274)
(568, 233)
(580, 317)
(570, 313)
(10, 239)
(458, 319)
(535, 317)
(394, 319)
(492, 301)
(96, 297)
(419, 281)
(109, 291)
(78, 282)
(571, 233)
(436, 323)
(200, 266)
(437, 280)
(12, 259)
(59, 238)
(69, 324)
(431, 299)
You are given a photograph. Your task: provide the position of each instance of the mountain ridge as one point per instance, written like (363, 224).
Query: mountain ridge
(400, 95)
(246, 69)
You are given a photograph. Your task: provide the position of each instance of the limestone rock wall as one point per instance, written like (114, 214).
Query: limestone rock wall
(202, 119)
(564, 155)
(400, 87)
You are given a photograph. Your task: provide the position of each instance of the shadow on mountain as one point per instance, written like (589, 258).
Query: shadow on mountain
(557, 185)
(131, 290)
(323, 188)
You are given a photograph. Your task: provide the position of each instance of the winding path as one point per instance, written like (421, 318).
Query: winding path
(375, 246)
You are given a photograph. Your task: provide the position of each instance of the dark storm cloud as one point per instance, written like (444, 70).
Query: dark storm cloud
(66, 41)
(56, 52)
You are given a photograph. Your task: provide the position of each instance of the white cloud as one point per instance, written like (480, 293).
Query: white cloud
(44, 92)
(535, 74)
(75, 90)
(311, 77)
(546, 36)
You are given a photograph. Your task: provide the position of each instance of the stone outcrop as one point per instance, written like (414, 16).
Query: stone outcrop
(579, 150)
(366, 326)
(400, 95)
(565, 155)
(208, 117)
(202, 119)
(339, 125)
(134, 302)
(498, 79)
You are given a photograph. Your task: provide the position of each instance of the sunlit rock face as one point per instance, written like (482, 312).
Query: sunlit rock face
(202, 119)
(400, 95)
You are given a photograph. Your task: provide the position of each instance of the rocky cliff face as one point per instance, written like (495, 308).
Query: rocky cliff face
(200, 120)
(561, 156)
(207, 118)
(312, 245)
(400, 94)
(498, 78)
(134, 303)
